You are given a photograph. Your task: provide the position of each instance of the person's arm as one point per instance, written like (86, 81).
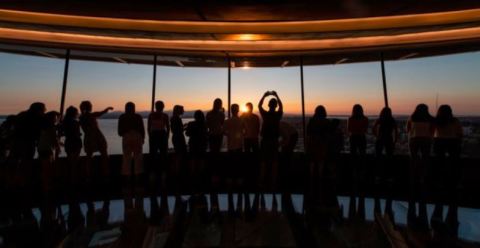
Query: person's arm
(280, 104)
(260, 104)
(100, 113)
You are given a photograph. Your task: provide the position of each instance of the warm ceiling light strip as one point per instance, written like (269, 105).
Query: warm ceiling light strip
(240, 46)
(368, 23)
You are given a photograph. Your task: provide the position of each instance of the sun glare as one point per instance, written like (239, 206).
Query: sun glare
(243, 108)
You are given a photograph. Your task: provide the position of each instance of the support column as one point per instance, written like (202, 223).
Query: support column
(65, 80)
(385, 95)
(229, 86)
(303, 103)
(154, 82)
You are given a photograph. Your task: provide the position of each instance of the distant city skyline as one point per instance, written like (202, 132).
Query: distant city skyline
(454, 78)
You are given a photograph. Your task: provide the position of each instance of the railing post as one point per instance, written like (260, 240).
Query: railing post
(303, 103)
(154, 82)
(65, 80)
(385, 95)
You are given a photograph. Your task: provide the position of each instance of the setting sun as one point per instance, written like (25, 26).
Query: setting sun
(243, 108)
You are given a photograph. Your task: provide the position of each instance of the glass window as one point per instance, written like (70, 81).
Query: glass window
(26, 79)
(110, 84)
(249, 85)
(339, 87)
(193, 88)
(451, 79)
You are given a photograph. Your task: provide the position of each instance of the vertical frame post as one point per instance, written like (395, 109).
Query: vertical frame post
(229, 85)
(303, 102)
(154, 82)
(384, 80)
(65, 81)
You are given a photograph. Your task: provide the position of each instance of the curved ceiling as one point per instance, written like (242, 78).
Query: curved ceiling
(270, 37)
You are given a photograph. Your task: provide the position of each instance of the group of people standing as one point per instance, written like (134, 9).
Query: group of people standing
(34, 129)
(206, 132)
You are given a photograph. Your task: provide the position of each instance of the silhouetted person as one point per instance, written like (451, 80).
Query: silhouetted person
(288, 137)
(178, 129)
(93, 140)
(420, 127)
(214, 120)
(73, 142)
(447, 146)
(357, 127)
(386, 131)
(158, 132)
(335, 144)
(318, 129)
(270, 133)
(197, 144)
(178, 141)
(233, 129)
(132, 131)
(48, 148)
(27, 131)
(6, 137)
(448, 133)
(252, 129)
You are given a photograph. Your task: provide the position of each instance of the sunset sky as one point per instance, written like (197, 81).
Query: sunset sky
(454, 78)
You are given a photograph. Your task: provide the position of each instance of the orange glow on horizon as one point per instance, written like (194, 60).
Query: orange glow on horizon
(243, 108)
